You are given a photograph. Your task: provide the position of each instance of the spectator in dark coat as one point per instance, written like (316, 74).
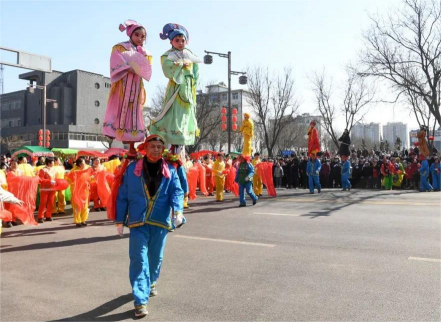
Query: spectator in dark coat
(344, 148)
(324, 174)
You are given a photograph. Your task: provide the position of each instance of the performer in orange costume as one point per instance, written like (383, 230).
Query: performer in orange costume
(47, 193)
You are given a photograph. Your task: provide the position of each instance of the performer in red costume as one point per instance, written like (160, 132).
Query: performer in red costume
(47, 191)
(313, 139)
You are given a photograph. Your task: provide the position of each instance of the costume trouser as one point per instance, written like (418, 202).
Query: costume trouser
(219, 182)
(345, 182)
(80, 215)
(257, 184)
(312, 182)
(425, 185)
(46, 204)
(248, 187)
(146, 249)
(436, 181)
(388, 182)
(59, 201)
(209, 184)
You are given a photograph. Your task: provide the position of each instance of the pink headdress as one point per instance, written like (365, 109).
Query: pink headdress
(130, 26)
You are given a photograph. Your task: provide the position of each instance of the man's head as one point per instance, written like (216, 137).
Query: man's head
(153, 145)
(313, 156)
(256, 156)
(219, 157)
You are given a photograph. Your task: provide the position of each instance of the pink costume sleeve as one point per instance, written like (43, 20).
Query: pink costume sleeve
(121, 62)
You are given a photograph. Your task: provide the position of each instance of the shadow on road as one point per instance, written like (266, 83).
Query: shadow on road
(351, 201)
(52, 230)
(64, 243)
(97, 313)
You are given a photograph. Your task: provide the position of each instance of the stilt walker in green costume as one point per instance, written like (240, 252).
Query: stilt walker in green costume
(177, 121)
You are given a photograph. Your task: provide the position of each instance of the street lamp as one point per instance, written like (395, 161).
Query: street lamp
(31, 90)
(208, 59)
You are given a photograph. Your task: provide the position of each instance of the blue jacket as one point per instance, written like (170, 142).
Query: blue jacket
(434, 167)
(135, 207)
(313, 167)
(346, 166)
(183, 179)
(424, 169)
(250, 172)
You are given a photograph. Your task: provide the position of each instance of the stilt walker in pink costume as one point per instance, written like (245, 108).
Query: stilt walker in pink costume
(130, 62)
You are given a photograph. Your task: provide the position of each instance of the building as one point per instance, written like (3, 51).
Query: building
(369, 132)
(392, 131)
(218, 96)
(76, 123)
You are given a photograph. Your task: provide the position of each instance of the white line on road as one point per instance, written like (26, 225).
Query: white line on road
(275, 214)
(424, 259)
(226, 241)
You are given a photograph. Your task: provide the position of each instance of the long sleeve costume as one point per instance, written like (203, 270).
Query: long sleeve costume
(313, 169)
(424, 171)
(244, 177)
(344, 147)
(257, 180)
(124, 112)
(345, 175)
(149, 194)
(47, 193)
(177, 122)
(247, 129)
(435, 172)
(219, 175)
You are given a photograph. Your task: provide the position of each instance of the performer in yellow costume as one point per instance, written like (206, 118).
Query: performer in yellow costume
(247, 129)
(218, 172)
(257, 180)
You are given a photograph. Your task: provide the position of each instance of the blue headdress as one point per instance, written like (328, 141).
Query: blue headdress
(171, 30)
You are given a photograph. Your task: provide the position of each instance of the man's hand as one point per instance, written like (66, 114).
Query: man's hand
(317, 171)
(247, 179)
(53, 182)
(178, 220)
(20, 202)
(119, 228)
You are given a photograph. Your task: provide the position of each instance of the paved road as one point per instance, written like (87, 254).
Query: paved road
(364, 255)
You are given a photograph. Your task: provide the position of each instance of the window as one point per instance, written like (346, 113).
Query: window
(97, 103)
(97, 86)
(224, 97)
(235, 96)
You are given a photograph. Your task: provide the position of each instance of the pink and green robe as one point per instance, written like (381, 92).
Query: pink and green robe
(177, 121)
(123, 120)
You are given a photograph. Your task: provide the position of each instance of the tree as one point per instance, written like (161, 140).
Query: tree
(12, 142)
(273, 102)
(403, 48)
(357, 95)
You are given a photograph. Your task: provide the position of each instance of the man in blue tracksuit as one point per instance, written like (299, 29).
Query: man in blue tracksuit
(424, 171)
(345, 173)
(244, 177)
(149, 194)
(313, 169)
(435, 172)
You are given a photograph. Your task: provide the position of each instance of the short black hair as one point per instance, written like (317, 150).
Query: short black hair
(256, 154)
(49, 160)
(20, 158)
(79, 160)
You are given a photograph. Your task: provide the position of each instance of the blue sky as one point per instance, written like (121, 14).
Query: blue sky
(305, 35)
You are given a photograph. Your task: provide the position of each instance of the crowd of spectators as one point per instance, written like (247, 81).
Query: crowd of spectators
(366, 173)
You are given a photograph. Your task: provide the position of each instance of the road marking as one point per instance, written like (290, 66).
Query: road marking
(350, 201)
(424, 259)
(226, 241)
(275, 214)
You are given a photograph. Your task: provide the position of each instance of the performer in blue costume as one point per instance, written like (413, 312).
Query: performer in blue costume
(424, 171)
(313, 169)
(244, 177)
(435, 172)
(150, 193)
(345, 173)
